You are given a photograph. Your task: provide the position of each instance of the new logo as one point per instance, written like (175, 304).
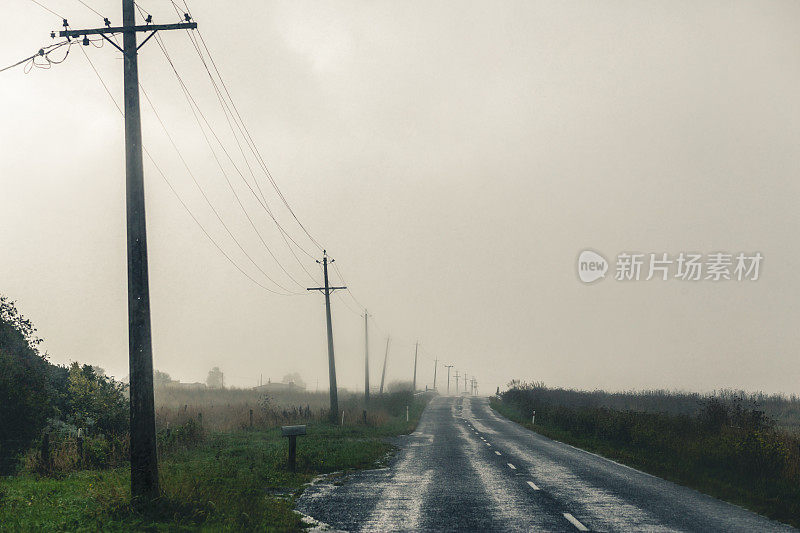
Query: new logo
(591, 266)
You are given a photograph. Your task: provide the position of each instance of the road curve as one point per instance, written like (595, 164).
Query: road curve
(468, 469)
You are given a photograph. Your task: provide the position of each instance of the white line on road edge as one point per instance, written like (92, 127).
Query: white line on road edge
(574, 522)
(512, 467)
(533, 485)
(498, 453)
(487, 443)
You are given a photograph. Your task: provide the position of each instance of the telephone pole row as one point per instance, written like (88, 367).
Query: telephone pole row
(366, 356)
(414, 381)
(448, 378)
(327, 290)
(144, 461)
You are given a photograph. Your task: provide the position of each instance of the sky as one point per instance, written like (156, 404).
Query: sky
(454, 158)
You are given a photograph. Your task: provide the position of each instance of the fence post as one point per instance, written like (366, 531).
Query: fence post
(80, 446)
(200, 419)
(46, 450)
(292, 452)
(364, 414)
(251, 419)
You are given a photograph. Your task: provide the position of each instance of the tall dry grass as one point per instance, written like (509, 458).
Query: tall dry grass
(229, 409)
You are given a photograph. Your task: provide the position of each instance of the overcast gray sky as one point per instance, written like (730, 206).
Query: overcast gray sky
(454, 158)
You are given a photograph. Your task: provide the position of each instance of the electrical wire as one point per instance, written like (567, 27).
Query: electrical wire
(194, 107)
(48, 9)
(43, 52)
(90, 8)
(286, 237)
(172, 188)
(249, 137)
(264, 205)
(245, 134)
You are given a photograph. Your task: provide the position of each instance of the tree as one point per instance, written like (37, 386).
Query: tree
(32, 390)
(215, 378)
(24, 384)
(96, 401)
(294, 378)
(161, 379)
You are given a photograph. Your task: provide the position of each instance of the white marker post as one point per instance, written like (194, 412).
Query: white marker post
(533, 418)
(406, 413)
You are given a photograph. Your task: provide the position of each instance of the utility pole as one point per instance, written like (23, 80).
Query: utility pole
(366, 357)
(144, 460)
(435, 364)
(414, 383)
(448, 378)
(457, 376)
(334, 414)
(385, 357)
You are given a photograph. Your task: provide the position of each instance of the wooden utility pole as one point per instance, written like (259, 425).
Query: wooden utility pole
(366, 356)
(144, 460)
(448, 377)
(457, 376)
(385, 357)
(414, 382)
(435, 365)
(334, 414)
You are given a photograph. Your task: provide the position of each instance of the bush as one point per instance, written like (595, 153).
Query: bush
(35, 393)
(24, 385)
(727, 444)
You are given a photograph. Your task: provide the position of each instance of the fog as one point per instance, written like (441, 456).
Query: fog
(454, 158)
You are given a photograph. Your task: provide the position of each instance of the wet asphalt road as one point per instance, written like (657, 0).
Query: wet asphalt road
(468, 469)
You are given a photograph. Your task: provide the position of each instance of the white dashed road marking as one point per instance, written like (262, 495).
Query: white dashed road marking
(498, 453)
(574, 521)
(533, 485)
(512, 467)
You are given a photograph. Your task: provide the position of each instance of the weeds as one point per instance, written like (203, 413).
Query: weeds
(727, 446)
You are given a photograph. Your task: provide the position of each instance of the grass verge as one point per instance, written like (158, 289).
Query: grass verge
(650, 446)
(230, 482)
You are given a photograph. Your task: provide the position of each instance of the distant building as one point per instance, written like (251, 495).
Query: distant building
(274, 387)
(184, 386)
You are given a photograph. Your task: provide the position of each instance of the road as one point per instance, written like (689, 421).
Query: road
(468, 469)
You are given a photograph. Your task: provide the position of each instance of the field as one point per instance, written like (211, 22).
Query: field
(725, 445)
(221, 475)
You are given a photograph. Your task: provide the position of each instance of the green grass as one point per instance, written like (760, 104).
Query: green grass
(650, 442)
(231, 482)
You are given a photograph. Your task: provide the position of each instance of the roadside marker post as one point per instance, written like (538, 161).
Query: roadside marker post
(292, 432)
(533, 418)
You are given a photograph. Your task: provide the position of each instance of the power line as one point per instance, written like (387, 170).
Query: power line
(265, 206)
(251, 145)
(234, 114)
(193, 105)
(245, 134)
(43, 52)
(248, 136)
(48, 9)
(90, 8)
(172, 188)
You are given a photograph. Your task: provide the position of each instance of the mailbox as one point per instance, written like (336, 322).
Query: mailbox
(292, 432)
